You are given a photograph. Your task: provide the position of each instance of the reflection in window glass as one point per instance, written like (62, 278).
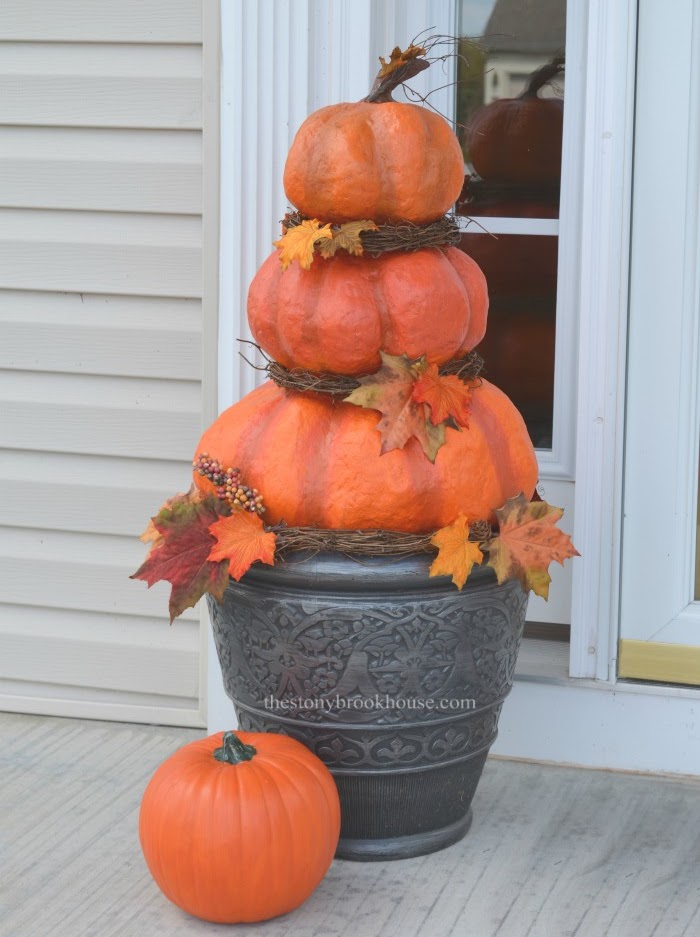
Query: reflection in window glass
(518, 349)
(510, 103)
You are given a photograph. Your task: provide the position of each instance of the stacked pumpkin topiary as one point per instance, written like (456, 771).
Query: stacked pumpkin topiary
(367, 308)
(375, 436)
(320, 461)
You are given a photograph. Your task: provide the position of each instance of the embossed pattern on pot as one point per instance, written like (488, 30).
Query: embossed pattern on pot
(366, 635)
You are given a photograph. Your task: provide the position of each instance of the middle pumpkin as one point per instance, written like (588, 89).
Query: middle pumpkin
(337, 315)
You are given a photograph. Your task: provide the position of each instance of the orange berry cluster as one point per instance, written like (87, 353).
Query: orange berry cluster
(228, 484)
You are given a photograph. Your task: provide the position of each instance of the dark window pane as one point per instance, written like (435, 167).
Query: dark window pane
(521, 271)
(510, 105)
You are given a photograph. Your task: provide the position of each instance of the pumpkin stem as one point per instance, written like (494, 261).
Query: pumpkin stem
(401, 67)
(233, 750)
(543, 76)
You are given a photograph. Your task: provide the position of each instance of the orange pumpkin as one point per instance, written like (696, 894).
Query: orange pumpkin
(318, 462)
(385, 161)
(340, 313)
(235, 833)
(519, 140)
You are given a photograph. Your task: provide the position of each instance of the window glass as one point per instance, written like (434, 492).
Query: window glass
(518, 348)
(510, 105)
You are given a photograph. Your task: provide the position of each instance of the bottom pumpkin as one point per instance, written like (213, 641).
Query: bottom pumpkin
(240, 827)
(318, 462)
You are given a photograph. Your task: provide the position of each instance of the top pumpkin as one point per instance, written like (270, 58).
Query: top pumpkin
(378, 158)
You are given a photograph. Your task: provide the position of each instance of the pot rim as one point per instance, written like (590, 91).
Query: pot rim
(327, 570)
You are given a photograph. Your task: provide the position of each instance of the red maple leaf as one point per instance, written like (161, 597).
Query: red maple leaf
(447, 396)
(241, 539)
(180, 554)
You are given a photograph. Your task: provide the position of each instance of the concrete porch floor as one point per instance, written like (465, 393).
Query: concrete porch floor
(553, 852)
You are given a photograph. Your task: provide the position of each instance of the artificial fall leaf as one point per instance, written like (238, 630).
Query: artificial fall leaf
(347, 238)
(456, 552)
(151, 534)
(528, 542)
(446, 396)
(241, 539)
(298, 243)
(390, 391)
(180, 555)
(397, 59)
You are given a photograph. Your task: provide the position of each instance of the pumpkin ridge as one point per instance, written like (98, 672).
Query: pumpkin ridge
(382, 305)
(309, 333)
(289, 319)
(274, 832)
(455, 276)
(494, 429)
(476, 297)
(313, 771)
(429, 171)
(315, 479)
(198, 809)
(383, 159)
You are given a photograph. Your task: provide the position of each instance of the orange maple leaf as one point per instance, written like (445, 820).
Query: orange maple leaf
(242, 539)
(446, 396)
(528, 542)
(390, 392)
(298, 243)
(456, 552)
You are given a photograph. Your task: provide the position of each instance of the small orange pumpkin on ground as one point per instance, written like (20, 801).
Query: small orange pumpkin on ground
(240, 827)
(337, 315)
(318, 462)
(378, 158)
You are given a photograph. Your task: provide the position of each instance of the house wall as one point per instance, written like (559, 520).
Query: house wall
(101, 318)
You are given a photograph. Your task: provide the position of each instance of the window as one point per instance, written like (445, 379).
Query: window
(510, 104)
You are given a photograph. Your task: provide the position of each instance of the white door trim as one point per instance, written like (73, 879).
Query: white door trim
(663, 420)
(607, 142)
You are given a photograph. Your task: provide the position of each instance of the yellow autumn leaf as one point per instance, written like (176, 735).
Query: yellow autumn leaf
(456, 552)
(298, 243)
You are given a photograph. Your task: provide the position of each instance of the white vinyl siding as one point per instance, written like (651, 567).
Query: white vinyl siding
(100, 348)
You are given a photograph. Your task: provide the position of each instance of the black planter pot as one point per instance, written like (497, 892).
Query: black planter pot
(393, 679)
